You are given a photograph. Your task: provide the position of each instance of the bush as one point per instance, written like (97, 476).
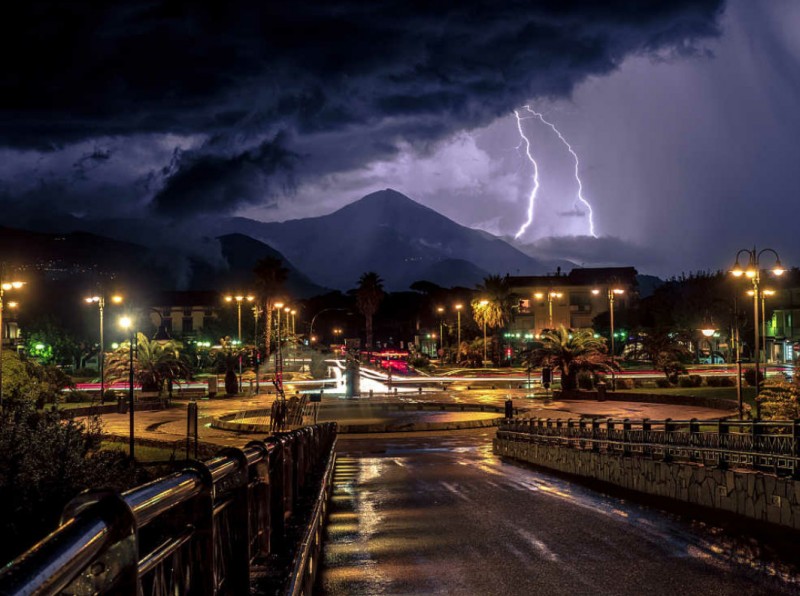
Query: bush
(663, 383)
(685, 381)
(44, 462)
(585, 380)
(625, 384)
(75, 397)
(638, 383)
(420, 361)
(86, 371)
(727, 382)
(696, 380)
(750, 376)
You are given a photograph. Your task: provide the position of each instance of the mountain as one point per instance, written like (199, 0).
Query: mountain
(390, 234)
(242, 253)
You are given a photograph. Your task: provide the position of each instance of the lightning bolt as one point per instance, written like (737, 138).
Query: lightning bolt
(532, 197)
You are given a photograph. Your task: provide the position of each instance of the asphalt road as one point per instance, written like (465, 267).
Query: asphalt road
(443, 515)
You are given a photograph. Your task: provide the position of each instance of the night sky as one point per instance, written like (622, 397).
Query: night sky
(685, 116)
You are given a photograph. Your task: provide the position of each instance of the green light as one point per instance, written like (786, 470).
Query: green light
(39, 346)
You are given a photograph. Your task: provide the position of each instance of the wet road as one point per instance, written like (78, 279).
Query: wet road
(443, 515)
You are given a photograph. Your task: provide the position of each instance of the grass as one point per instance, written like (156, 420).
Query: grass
(748, 393)
(144, 453)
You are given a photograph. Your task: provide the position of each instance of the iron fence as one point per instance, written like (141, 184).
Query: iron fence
(771, 446)
(192, 532)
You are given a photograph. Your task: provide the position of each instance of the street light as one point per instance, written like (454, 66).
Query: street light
(279, 308)
(239, 298)
(458, 308)
(440, 310)
(611, 293)
(764, 294)
(753, 273)
(127, 324)
(550, 295)
(4, 286)
(484, 304)
(101, 303)
(293, 312)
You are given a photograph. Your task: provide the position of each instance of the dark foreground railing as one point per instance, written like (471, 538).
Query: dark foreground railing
(772, 446)
(193, 532)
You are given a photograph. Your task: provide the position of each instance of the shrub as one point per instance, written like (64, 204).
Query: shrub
(44, 462)
(696, 380)
(625, 384)
(685, 381)
(727, 381)
(585, 380)
(713, 381)
(75, 397)
(638, 383)
(420, 361)
(750, 376)
(663, 383)
(86, 371)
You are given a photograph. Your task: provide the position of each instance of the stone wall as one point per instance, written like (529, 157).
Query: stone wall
(756, 495)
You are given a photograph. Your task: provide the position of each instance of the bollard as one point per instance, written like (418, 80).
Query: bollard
(601, 391)
(509, 409)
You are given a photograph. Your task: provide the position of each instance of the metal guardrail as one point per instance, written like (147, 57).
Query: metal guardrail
(192, 532)
(769, 446)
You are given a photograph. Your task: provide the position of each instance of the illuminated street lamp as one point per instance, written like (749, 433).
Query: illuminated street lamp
(611, 293)
(127, 324)
(440, 310)
(458, 308)
(550, 295)
(101, 303)
(279, 308)
(5, 286)
(239, 298)
(753, 273)
(484, 304)
(293, 312)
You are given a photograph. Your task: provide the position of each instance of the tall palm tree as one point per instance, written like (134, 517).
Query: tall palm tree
(270, 279)
(154, 362)
(571, 351)
(368, 297)
(494, 303)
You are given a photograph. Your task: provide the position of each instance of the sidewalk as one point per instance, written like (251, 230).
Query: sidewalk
(170, 424)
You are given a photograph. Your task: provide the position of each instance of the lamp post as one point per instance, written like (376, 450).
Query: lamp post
(611, 293)
(239, 298)
(550, 295)
(127, 324)
(484, 304)
(4, 286)
(101, 303)
(753, 272)
(293, 312)
(440, 310)
(279, 308)
(708, 332)
(458, 308)
(764, 293)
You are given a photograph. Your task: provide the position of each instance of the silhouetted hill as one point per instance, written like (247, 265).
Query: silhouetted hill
(389, 233)
(242, 253)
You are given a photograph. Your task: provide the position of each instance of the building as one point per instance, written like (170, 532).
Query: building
(184, 314)
(572, 300)
(782, 331)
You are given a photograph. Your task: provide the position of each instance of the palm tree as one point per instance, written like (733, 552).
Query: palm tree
(154, 363)
(270, 279)
(667, 352)
(571, 351)
(368, 297)
(493, 307)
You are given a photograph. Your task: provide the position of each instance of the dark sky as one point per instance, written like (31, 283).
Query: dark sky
(683, 113)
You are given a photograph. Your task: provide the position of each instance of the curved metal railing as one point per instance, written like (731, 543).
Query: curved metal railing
(192, 532)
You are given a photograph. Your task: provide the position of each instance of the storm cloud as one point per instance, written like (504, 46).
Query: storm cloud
(310, 88)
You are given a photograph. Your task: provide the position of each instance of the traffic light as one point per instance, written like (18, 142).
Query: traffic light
(547, 376)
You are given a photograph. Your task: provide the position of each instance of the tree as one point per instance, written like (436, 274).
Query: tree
(270, 280)
(494, 305)
(369, 295)
(154, 362)
(571, 351)
(667, 353)
(25, 381)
